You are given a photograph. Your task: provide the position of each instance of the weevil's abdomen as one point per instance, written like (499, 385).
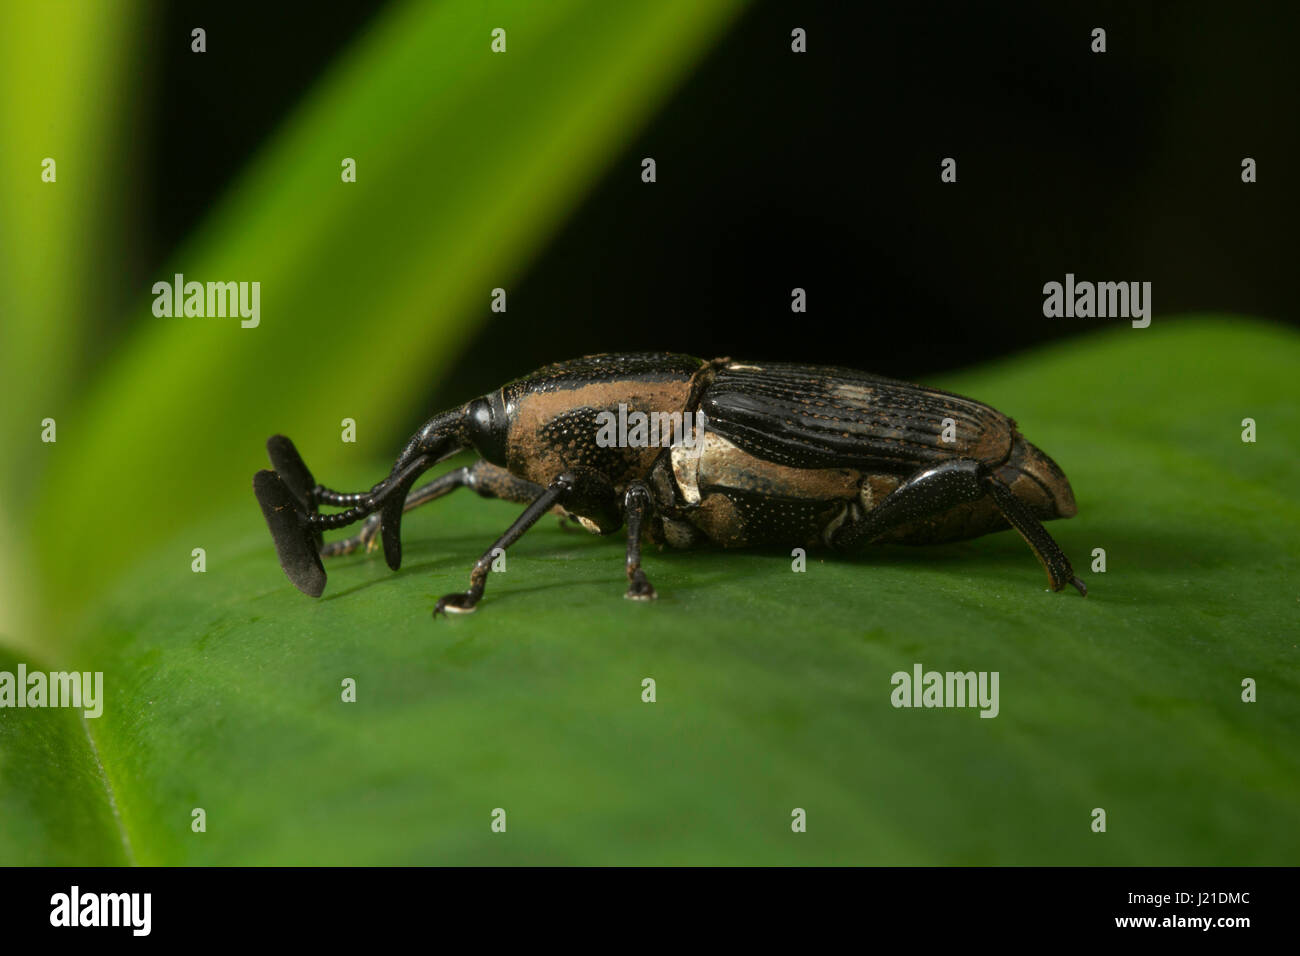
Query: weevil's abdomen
(736, 499)
(736, 495)
(791, 451)
(810, 416)
(1038, 481)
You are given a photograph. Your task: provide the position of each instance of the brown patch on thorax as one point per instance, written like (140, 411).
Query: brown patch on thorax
(539, 458)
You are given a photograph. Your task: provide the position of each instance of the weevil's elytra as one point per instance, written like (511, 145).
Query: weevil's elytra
(764, 453)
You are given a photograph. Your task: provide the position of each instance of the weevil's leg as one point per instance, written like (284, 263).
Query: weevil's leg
(486, 479)
(636, 506)
(945, 486)
(1049, 553)
(464, 601)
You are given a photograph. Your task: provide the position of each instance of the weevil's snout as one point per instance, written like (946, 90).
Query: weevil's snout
(1038, 481)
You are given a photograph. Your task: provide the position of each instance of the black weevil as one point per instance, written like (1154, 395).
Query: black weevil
(717, 452)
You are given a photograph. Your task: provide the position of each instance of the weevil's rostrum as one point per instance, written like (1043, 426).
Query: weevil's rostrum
(763, 453)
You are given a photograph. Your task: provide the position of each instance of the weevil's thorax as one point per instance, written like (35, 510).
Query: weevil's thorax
(611, 414)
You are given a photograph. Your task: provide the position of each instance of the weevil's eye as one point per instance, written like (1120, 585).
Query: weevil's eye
(488, 428)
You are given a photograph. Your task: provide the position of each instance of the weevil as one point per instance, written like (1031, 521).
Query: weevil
(758, 454)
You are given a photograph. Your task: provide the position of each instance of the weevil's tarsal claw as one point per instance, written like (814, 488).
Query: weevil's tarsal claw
(461, 602)
(295, 543)
(639, 588)
(1082, 588)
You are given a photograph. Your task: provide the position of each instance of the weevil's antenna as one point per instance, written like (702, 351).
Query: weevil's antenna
(295, 474)
(297, 530)
(291, 499)
(293, 471)
(288, 464)
(295, 539)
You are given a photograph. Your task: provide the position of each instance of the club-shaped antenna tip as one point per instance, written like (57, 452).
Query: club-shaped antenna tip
(295, 543)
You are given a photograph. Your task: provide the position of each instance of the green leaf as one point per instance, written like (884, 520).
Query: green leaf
(773, 688)
(61, 241)
(56, 806)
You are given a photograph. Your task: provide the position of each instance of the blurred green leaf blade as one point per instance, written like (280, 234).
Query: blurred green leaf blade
(466, 160)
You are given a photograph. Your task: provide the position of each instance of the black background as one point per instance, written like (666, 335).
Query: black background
(821, 171)
(335, 907)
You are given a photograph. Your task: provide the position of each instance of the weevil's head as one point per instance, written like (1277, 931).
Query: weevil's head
(1037, 481)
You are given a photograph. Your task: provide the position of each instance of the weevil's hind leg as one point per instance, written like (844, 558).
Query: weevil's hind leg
(462, 602)
(938, 489)
(488, 480)
(1049, 553)
(636, 507)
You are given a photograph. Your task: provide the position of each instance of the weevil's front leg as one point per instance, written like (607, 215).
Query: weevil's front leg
(636, 506)
(488, 480)
(462, 602)
(938, 489)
